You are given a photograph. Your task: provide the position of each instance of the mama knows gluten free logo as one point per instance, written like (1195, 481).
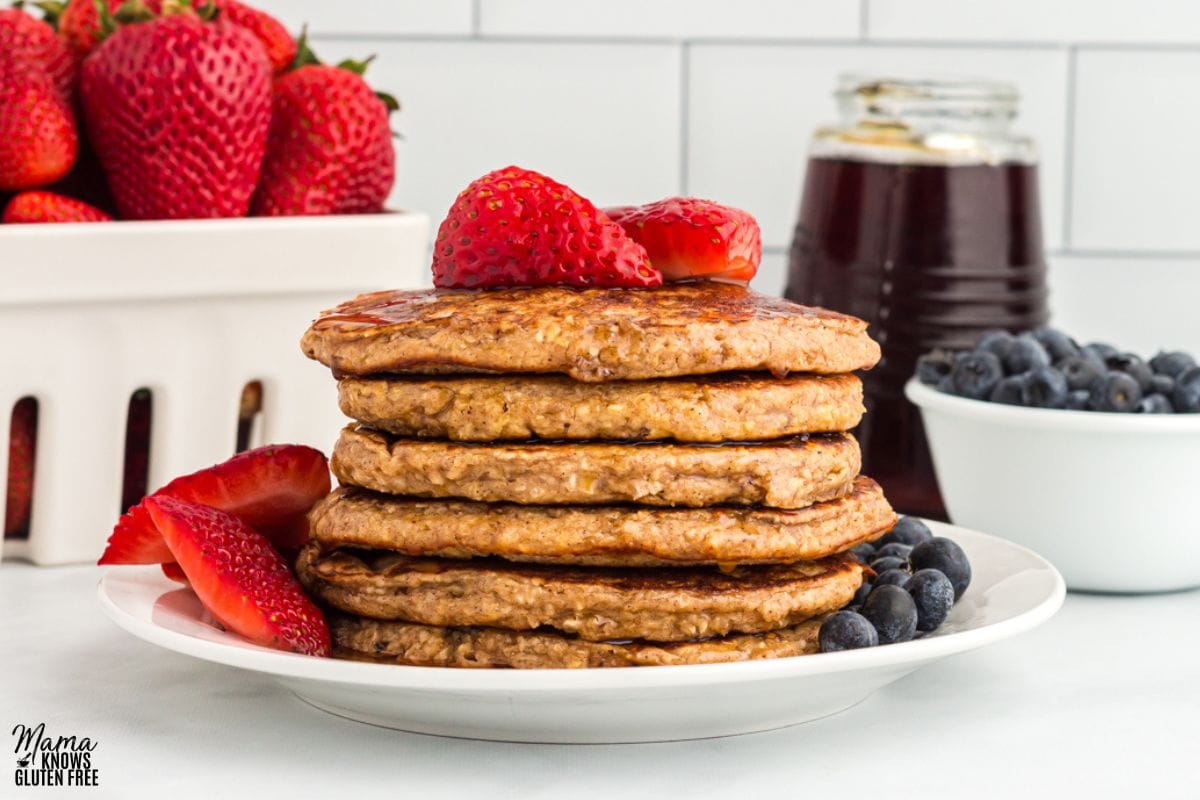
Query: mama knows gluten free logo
(43, 760)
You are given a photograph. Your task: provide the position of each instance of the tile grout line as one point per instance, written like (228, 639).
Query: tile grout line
(752, 41)
(1069, 148)
(864, 7)
(476, 18)
(685, 84)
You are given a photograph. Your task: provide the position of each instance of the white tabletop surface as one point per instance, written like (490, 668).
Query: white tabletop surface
(1102, 701)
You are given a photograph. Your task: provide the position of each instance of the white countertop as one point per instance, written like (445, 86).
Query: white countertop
(1102, 701)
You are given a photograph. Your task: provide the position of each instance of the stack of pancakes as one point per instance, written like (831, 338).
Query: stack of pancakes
(556, 477)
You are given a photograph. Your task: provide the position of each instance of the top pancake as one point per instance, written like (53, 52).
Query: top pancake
(591, 335)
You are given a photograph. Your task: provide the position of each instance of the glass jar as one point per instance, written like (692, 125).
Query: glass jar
(920, 215)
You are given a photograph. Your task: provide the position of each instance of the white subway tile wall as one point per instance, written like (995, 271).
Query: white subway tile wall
(1058, 21)
(673, 19)
(377, 18)
(1137, 126)
(631, 100)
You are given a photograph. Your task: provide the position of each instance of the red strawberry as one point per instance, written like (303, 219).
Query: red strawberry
(330, 150)
(241, 579)
(33, 42)
(38, 142)
(79, 25)
(22, 447)
(39, 206)
(175, 572)
(686, 237)
(516, 227)
(178, 110)
(279, 44)
(270, 488)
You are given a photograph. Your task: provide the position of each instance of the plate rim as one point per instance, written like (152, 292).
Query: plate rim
(446, 679)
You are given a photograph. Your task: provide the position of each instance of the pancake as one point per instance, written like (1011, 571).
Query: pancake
(596, 604)
(724, 408)
(790, 473)
(600, 535)
(433, 646)
(590, 334)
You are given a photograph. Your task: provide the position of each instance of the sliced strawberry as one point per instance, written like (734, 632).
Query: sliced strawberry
(135, 540)
(689, 238)
(175, 572)
(270, 488)
(516, 227)
(240, 577)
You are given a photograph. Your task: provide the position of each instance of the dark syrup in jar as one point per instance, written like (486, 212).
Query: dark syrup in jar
(930, 255)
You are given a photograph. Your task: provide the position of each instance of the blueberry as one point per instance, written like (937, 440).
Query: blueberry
(893, 613)
(995, 341)
(1104, 351)
(1057, 343)
(882, 565)
(846, 630)
(1162, 384)
(1172, 364)
(1134, 367)
(893, 577)
(1081, 372)
(933, 595)
(1186, 397)
(894, 550)
(1078, 400)
(1091, 353)
(1155, 404)
(946, 385)
(1008, 391)
(864, 552)
(1026, 354)
(948, 558)
(1044, 388)
(974, 375)
(860, 596)
(1116, 392)
(934, 366)
(908, 530)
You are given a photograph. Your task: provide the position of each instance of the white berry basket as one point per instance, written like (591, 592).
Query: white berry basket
(193, 311)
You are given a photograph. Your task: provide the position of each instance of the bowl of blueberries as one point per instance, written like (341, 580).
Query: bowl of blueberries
(1086, 454)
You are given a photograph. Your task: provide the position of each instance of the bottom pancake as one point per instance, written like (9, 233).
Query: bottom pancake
(598, 604)
(436, 646)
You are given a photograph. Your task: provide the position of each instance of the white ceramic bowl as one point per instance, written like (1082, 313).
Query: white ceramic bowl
(191, 310)
(1112, 500)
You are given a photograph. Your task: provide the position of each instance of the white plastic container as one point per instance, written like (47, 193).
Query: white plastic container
(1109, 499)
(192, 310)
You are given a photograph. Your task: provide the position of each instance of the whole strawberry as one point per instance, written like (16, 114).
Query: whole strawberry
(178, 110)
(39, 206)
(516, 227)
(330, 150)
(279, 44)
(33, 42)
(80, 26)
(38, 141)
(21, 449)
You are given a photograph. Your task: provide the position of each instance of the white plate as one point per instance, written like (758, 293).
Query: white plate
(1012, 591)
